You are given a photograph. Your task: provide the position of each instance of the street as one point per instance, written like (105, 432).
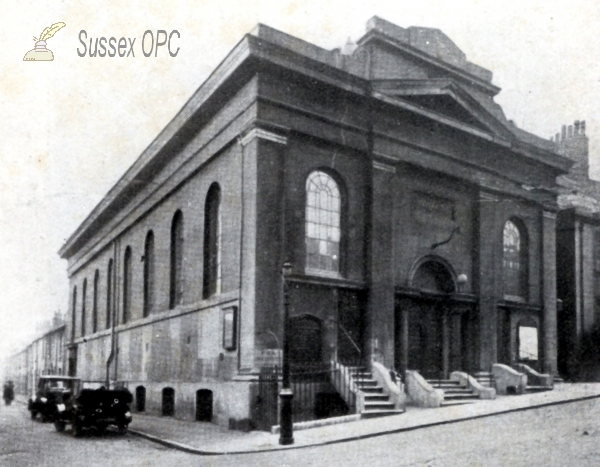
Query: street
(561, 435)
(31, 443)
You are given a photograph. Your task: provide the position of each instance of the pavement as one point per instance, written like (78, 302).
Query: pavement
(210, 439)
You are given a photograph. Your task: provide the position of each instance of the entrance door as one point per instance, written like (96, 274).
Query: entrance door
(424, 322)
(425, 340)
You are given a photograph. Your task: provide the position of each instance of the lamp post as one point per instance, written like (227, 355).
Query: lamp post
(286, 427)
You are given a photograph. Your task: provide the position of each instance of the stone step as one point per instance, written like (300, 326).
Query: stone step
(361, 374)
(484, 378)
(379, 405)
(372, 389)
(456, 402)
(376, 397)
(448, 387)
(365, 383)
(464, 396)
(380, 413)
(443, 382)
(461, 390)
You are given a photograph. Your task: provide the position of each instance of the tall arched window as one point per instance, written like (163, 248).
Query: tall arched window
(515, 259)
(176, 286)
(323, 223)
(127, 284)
(74, 313)
(95, 302)
(212, 242)
(83, 300)
(149, 274)
(109, 274)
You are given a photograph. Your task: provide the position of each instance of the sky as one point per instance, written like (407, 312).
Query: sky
(70, 128)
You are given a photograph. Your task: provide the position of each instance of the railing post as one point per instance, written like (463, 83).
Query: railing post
(286, 394)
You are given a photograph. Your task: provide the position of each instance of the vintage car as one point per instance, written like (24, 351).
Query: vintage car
(51, 389)
(94, 409)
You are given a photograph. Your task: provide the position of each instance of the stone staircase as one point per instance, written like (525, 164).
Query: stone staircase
(485, 378)
(377, 403)
(454, 392)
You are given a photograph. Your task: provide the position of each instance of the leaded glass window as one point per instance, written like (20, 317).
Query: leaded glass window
(323, 218)
(514, 260)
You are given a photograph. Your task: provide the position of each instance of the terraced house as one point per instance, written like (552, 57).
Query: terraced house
(419, 222)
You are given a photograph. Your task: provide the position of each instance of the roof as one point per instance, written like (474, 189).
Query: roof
(469, 84)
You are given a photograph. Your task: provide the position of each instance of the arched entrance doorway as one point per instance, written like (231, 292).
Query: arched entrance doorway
(428, 321)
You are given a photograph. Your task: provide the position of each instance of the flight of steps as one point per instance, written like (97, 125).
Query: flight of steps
(454, 392)
(485, 378)
(377, 403)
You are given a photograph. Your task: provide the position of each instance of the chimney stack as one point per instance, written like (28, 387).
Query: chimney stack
(573, 143)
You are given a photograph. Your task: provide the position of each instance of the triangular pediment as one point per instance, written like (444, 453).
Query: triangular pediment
(447, 99)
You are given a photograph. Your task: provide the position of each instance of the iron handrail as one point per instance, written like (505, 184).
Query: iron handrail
(347, 334)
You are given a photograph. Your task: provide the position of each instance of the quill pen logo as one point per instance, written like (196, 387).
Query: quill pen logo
(40, 53)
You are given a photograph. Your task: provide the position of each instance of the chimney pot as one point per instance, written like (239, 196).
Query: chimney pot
(583, 127)
(563, 131)
(570, 131)
(576, 127)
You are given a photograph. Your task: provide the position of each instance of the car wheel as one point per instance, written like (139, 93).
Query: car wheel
(59, 425)
(33, 414)
(44, 417)
(77, 428)
(122, 429)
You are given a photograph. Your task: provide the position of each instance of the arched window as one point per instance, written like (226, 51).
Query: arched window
(95, 302)
(149, 274)
(126, 284)
(83, 300)
(515, 259)
(109, 274)
(176, 286)
(323, 223)
(74, 313)
(212, 242)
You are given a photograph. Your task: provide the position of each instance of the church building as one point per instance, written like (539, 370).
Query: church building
(420, 225)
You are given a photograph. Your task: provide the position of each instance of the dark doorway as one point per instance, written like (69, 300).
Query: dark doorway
(204, 405)
(428, 325)
(140, 398)
(168, 402)
(306, 339)
(425, 339)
